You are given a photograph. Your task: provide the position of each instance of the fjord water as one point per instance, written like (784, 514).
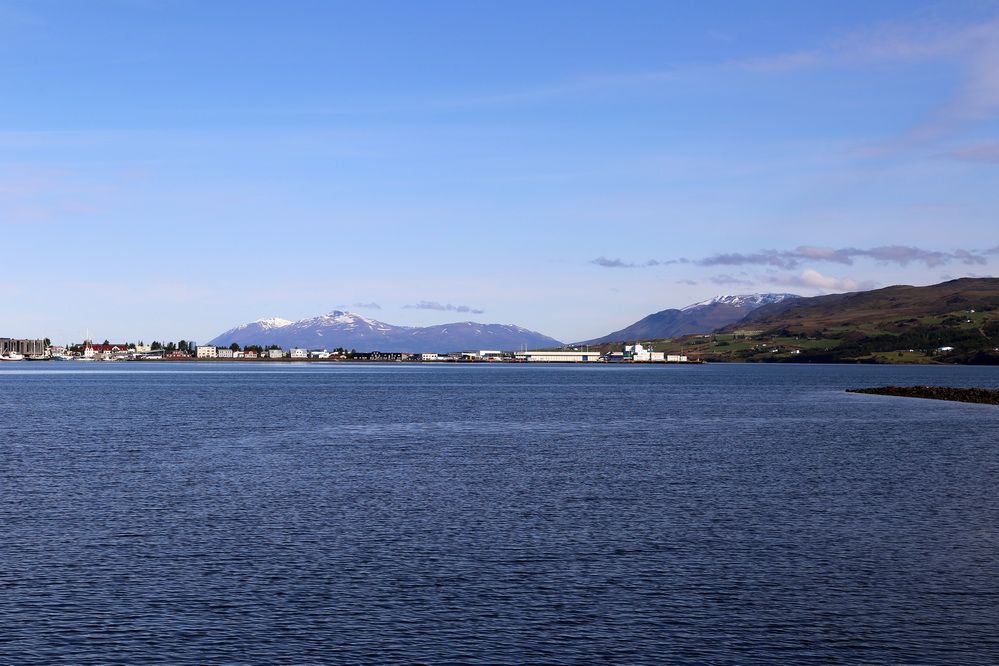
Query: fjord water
(255, 513)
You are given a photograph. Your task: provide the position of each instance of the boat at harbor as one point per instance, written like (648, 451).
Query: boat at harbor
(12, 356)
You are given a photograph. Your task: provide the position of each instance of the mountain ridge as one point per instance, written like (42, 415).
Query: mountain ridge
(701, 317)
(340, 328)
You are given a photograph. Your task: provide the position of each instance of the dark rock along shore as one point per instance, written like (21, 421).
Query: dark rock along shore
(977, 395)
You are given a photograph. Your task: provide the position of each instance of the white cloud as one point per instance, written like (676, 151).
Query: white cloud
(812, 279)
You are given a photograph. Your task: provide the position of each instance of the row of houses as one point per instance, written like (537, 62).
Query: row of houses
(631, 354)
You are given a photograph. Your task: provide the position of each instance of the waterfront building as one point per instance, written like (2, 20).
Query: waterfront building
(249, 353)
(430, 356)
(639, 354)
(558, 356)
(206, 351)
(319, 353)
(676, 358)
(275, 353)
(224, 352)
(25, 347)
(298, 352)
(490, 355)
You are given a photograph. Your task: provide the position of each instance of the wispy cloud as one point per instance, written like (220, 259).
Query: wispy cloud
(775, 258)
(368, 306)
(982, 151)
(812, 279)
(725, 279)
(901, 255)
(443, 307)
(620, 263)
(691, 283)
(972, 48)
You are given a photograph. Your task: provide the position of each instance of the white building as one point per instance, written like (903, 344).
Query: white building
(224, 352)
(297, 352)
(319, 353)
(142, 349)
(275, 353)
(490, 355)
(676, 358)
(207, 351)
(429, 356)
(558, 356)
(640, 354)
(237, 354)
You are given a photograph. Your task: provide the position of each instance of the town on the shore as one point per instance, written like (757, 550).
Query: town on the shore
(12, 349)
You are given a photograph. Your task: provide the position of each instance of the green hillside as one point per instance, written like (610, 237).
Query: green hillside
(952, 322)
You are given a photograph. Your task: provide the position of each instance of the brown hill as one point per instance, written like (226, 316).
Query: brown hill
(882, 309)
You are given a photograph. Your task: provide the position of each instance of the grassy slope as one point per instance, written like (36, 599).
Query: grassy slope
(893, 325)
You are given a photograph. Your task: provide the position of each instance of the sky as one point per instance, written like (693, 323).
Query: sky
(170, 169)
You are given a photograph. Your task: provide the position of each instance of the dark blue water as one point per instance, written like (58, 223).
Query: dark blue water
(183, 513)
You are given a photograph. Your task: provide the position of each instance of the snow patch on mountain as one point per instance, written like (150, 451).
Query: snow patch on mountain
(273, 322)
(741, 300)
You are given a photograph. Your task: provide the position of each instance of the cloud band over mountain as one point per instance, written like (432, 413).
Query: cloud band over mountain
(443, 307)
(902, 255)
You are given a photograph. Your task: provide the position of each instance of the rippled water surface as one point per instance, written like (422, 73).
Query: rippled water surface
(221, 513)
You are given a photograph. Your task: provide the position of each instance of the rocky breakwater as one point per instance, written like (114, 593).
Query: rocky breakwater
(978, 395)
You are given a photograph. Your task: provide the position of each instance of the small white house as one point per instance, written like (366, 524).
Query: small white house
(225, 352)
(207, 351)
(319, 353)
(297, 352)
(429, 356)
(676, 358)
(275, 353)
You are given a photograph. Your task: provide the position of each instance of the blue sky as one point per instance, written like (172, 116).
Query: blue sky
(170, 169)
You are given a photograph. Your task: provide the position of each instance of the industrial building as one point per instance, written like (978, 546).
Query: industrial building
(558, 356)
(638, 354)
(23, 347)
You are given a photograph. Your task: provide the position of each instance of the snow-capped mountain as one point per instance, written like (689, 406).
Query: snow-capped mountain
(354, 331)
(749, 301)
(701, 317)
(257, 329)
